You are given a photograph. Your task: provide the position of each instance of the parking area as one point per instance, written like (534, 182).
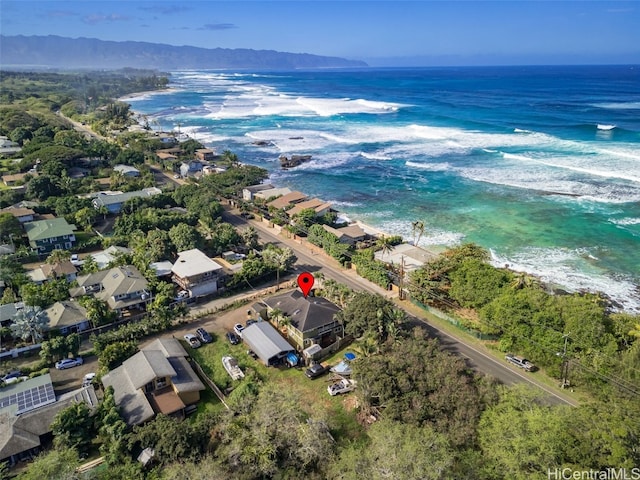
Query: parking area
(71, 378)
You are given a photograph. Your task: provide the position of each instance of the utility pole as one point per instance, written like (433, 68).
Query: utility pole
(565, 363)
(401, 282)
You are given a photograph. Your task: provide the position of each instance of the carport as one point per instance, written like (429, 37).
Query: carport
(266, 342)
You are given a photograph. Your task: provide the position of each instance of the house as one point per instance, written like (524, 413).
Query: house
(312, 319)
(127, 170)
(193, 168)
(27, 410)
(265, 341)
(205, 154)
(350, 235)
(67, 316)
(195, 272)
(166, 156)
(249, 192)
(320, 207)
(286, 200)
(23, 214)
(8, 312)
(17, 178)
(108, 256)
(272, 193)
(123, 288)
(50, 234)
(157, 379)
(409, 256)
(114, 202)
(7, 147)
(65, 269)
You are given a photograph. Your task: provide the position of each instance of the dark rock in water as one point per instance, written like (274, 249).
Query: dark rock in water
(262, 143)
(294, 161)
(296, 138)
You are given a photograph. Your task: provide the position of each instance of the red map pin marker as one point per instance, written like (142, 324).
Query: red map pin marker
(305, 282)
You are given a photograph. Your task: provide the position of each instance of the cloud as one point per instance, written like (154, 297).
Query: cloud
(218, 26)
(114, 17)
(166, 9)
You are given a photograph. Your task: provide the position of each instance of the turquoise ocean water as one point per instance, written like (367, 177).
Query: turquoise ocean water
(540, 165)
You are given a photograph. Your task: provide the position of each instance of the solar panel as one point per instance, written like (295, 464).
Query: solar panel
(30, 399)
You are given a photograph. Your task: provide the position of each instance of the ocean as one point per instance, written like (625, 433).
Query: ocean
(539, 165)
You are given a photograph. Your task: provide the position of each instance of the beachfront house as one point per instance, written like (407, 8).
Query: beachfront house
(248, 193)
(349, 235)
(196, 273)
(157, 379)
(286, 200)
(123, 288)
(206, 154)
(51, 234)
(192, 168)
(320, 207)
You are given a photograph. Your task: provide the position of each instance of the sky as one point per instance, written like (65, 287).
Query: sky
(382, 33)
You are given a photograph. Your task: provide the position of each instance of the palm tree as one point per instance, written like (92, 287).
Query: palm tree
(384, 245)
(418, 230)
(250, 237)
(30, 322)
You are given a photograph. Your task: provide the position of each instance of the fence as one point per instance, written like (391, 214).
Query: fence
(15, 352)
(209, 382)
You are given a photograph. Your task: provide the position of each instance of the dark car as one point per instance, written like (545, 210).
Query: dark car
(204, 336)
(316, 370)
(233, 338)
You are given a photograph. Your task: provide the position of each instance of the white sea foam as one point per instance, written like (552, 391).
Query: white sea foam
(605, 127)
(571, 270)
(374, 156)
(618, 105)
(625, 221)
(433, 167)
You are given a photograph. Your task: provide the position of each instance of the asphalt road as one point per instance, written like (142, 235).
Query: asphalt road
(477, 359)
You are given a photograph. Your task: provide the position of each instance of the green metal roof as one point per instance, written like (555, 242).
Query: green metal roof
(50, 228)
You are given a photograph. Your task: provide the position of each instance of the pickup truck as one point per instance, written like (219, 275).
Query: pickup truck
(520, 362)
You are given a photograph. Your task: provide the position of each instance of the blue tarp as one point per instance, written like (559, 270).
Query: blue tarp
(350, 356)
(292, 359)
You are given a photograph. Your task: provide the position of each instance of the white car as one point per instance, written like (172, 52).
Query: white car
(69, 363)
(238, 328)
(343, 386)
(88, 379)
(192, 340)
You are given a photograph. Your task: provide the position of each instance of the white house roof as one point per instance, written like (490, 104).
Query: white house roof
(193, 262)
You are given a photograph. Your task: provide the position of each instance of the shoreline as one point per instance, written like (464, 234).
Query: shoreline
(623, 291)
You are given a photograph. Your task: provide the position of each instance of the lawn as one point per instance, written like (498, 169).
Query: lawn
(313, 395)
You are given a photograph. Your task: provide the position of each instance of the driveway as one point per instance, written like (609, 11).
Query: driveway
(71, 378)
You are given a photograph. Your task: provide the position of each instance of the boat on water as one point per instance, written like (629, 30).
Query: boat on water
(231, 366)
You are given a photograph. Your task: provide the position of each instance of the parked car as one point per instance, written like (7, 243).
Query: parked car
(69, 363)
(12, 374)
(343, 386)
(88, 379)
(251, 322)
(233, 338)
(316, 370)
(520, 362)
(204, 336)
(182, 295)
(192, 340)
(238, 328)
(75, 259)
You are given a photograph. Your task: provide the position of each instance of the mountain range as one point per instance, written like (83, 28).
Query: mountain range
(55, 52)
